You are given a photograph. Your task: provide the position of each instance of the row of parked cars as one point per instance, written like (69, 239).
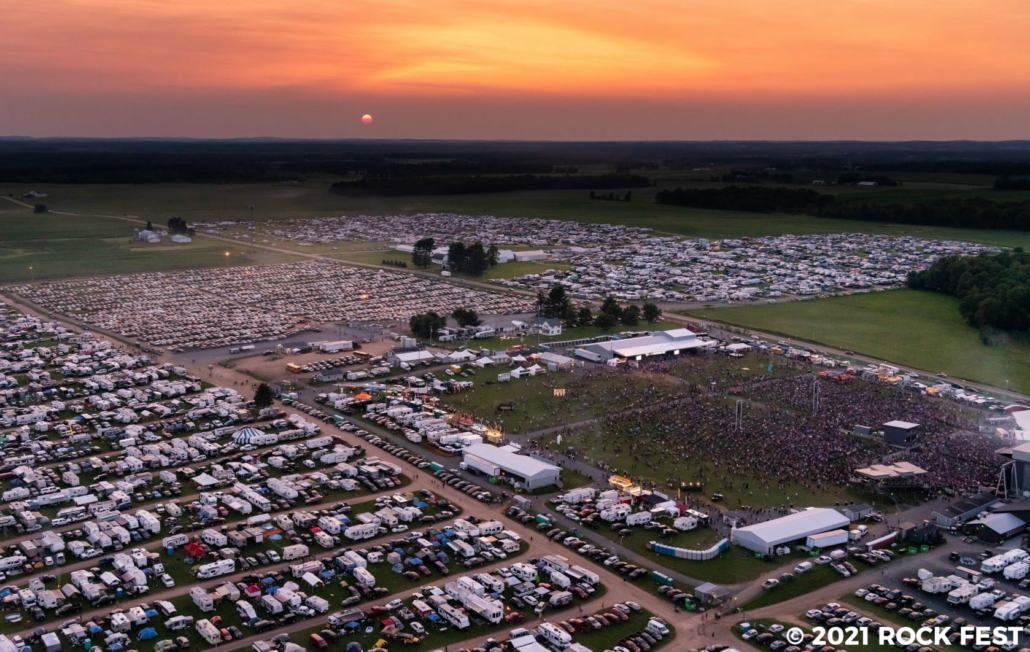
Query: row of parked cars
(640, 641)
(456, 482)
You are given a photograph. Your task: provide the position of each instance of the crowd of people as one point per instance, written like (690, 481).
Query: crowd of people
(779, 434)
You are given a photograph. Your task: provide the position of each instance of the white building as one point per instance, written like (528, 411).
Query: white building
(765, 537)
(503, 462)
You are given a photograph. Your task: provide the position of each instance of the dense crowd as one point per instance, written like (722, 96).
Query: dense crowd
(795, 432)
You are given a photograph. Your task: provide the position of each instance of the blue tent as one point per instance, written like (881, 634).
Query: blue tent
(420, 505)
(117, 647)
(147, 634)
(397, 568)
(94, 629)
(414, 561)
(151, 613)
(351, 625)
(434, 618)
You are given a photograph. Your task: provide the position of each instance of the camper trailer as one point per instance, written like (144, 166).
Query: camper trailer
(220, 567)
(363, 577)
(296, 551)
(554, 635)
(208, 632)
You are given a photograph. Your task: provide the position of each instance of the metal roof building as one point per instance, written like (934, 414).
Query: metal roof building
(503, 462)
(672, 342)
(764, 537)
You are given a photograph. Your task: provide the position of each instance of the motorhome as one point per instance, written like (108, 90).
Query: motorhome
(993, 565)
(963, 594)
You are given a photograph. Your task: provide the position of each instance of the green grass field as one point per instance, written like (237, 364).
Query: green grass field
(536, 406)
(37, 247)
(803, 584)
(917, 329)
(209, 202)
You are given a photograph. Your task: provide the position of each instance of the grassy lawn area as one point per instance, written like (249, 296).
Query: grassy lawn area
(536, 406)
(814, 579)
(38, 247)
(917, 329)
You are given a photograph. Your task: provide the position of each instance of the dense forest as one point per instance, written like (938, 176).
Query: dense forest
(994, 289)
(961, 212)
(463, 185)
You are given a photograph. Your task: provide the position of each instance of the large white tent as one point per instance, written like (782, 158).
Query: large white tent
(764, 537)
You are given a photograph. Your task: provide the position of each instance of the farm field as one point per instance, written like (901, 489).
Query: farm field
(216, 202)
(917, 329)
(38, 247)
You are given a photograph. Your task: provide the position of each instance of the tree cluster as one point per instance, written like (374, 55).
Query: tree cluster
(994, 289)
(466, 317)
(422, 253)
(425, 324)
(177, 225)
(263, 396)
(472, 260)
(395, 263)
(958, 212)
(556, 304)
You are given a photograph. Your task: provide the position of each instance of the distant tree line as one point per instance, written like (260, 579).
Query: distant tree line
(743, 198)
(395, 263)
(379, 169)
(959, 212)
(611, 196)
(1008, 183)
(994, 289)
(459, 185)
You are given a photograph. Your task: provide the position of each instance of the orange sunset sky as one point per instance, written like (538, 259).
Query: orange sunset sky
(517, 69)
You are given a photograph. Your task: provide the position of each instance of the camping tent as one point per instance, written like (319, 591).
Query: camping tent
(246, 436)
